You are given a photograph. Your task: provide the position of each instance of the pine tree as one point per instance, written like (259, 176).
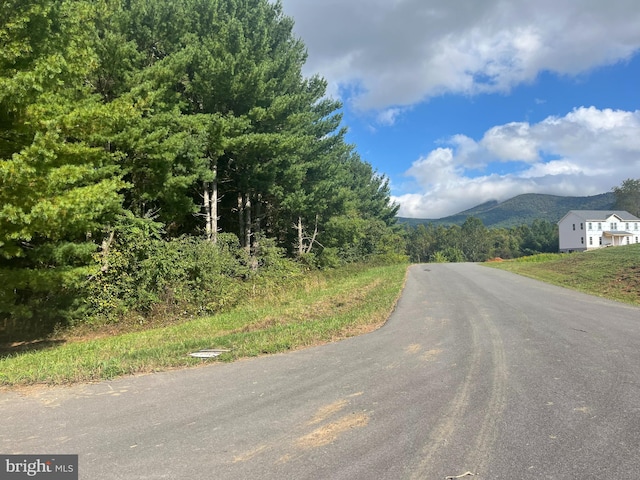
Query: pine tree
(59, 180)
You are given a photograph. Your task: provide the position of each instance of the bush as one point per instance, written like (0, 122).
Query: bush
(448, 254)
(143, 275)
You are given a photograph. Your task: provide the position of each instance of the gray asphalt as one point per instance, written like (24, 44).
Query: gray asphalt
(477, 371)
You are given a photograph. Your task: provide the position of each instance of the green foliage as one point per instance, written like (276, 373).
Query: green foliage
(540, 237)
(184, 275)
(474, 242)
(113, 113)
(329, 258)
(357, 239)
(58, 182)
(539, 258)
(448, 255)
(628, 196)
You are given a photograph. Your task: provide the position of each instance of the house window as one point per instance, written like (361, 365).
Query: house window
(581, 226)
(590, 226)
(599, 226)
(627, 226)
(574, 226)
(600, 240)
(590, 240)
(635, 226)
(627, 240)
(614, 226)
(582, 240)
(636, 239)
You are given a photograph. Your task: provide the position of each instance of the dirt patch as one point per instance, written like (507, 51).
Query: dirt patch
(430, 355)
(249, 455)
(325, 412)
(357, 330)
(329, 433)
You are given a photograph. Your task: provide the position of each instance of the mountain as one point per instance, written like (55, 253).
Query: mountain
(521, 210)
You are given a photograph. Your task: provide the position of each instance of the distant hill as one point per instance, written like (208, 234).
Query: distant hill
(522, 210)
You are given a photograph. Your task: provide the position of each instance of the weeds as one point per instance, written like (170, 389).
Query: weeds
(320, 309)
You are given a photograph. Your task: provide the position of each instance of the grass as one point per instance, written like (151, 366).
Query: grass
(609, 272)
(321, 308)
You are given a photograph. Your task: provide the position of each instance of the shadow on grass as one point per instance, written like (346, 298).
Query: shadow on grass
(17, 348)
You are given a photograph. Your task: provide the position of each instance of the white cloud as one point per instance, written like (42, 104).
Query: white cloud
(513, 141)
(586, 152)
(388, 117)
(398, 53)
(436, 169)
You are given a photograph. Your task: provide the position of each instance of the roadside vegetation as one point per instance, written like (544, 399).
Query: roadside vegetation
(312, 310)
(151, 166)
(610, 272)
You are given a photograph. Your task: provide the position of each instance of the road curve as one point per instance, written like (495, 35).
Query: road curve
(478, 371)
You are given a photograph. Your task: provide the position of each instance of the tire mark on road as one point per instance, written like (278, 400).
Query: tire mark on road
(487, 434)
(445, 428)
(324, 433)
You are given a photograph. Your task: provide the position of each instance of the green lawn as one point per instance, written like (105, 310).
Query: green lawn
(612, 272)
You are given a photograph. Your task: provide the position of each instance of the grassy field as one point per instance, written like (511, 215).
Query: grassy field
(610, 272)
(323, 307)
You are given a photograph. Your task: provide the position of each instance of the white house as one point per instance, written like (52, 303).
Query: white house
(581, 230)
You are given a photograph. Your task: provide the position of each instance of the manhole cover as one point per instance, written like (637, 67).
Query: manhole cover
(208, 352)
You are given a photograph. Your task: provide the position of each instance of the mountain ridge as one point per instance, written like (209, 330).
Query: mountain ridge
(521, 210)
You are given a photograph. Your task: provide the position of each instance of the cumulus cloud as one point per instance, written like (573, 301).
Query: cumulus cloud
(586, 152)
(394, 53)
(388, 117)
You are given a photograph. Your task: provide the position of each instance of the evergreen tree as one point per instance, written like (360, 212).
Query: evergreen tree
(192, 116)
(59, 180)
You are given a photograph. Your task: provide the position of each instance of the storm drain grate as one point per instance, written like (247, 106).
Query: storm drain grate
(208, 352)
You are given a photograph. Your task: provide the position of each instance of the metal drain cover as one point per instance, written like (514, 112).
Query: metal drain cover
(208, 352)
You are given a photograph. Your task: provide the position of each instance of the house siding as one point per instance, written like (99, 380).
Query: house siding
(570, 234)
(581, 230)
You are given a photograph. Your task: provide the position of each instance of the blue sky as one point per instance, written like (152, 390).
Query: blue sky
(459, 102)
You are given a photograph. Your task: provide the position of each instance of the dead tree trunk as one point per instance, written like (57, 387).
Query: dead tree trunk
(257, 220)
(302, 246)
(247, 223)
(105, 247)
(214, 204)
(300, 237)
(210, 194)
(241, 220)
(313, 238)
(207, 210)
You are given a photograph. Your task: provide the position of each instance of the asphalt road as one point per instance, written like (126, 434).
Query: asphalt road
(477, 371)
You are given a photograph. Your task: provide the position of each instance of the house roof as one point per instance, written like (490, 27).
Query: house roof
(597, 215)
(616, 233)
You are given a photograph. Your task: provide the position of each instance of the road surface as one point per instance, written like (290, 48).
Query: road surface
(477, 371)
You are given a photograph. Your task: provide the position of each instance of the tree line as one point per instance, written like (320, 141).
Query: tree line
(473, 242)
(143, 139)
